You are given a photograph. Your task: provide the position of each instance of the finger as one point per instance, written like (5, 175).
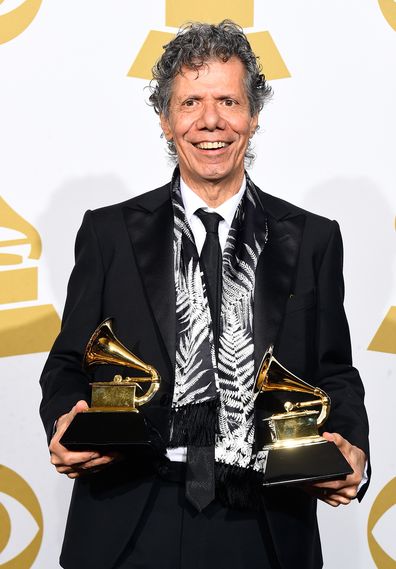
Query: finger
(80, 472)
(337, 439)
(75, 470)
(72, 458)
(351, 492)
(347, 491)
(79, 407)
(334, 485)
(354, 455)
(102, 461)
(82, 467)
(65, 420)
(328, 436)
(351, 481)
(66, 469)
(345, 494)
(339, 500)
(331, 502)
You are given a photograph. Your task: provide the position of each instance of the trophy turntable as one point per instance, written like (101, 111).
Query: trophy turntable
(113, 421)
(289, 412)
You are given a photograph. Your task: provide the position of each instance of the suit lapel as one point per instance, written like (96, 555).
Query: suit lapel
(149, 221)
(275, 272)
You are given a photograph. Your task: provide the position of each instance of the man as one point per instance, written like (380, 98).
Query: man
(205, 324)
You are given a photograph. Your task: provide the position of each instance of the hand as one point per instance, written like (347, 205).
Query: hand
(339, 492)
(75, 463)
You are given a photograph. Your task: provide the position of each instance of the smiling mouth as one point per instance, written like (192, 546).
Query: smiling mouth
(211, 145)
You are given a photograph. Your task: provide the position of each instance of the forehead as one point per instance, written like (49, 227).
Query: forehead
(215, 76)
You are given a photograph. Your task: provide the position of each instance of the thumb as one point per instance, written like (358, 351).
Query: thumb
(337, 439)
(79, 407)
(65, 420)
(329, 437)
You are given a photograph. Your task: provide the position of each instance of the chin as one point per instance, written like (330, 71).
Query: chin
(219, 171)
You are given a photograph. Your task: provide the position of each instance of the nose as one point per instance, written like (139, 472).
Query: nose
(210, 118)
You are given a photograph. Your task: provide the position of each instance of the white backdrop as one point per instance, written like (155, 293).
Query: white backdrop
(76, 133)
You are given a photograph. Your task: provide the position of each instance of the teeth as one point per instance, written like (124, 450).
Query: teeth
(211, 145)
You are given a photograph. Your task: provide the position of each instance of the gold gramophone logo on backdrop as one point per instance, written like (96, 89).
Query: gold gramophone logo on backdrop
(16, 493)
(13, 23)
(388, 8)
(385, 500)
(178, 12)
(27, 327)
(385, 337)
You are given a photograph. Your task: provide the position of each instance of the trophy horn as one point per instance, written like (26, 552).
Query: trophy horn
(273, 376)
(105, 348)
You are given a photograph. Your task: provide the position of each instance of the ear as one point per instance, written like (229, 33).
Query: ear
(166, 129)
(253, 124)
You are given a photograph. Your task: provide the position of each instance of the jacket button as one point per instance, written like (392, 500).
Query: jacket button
(163, 470)
(165, 399)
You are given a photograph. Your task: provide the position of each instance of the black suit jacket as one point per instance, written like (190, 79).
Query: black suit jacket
(124, 269)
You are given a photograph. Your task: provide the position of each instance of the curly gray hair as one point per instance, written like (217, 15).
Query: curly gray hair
(197, 43)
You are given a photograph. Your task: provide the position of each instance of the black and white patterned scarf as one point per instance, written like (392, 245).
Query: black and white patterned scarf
(213, 394)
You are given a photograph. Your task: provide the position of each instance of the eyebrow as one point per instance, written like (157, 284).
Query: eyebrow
(199, 97)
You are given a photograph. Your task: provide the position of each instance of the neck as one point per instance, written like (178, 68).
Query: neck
(215, 193)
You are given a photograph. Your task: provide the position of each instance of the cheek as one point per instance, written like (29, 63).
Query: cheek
(181, 124)
(184, 126)
(242, 125)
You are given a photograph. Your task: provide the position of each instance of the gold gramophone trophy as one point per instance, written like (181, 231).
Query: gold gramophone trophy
(113, 421)
(289, 412)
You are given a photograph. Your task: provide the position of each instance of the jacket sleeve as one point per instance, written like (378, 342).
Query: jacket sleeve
(63, 380)
(334, 370)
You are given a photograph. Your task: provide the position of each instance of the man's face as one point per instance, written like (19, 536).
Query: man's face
(210, 122)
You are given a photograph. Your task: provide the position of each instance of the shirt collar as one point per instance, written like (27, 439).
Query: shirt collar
(192, 202)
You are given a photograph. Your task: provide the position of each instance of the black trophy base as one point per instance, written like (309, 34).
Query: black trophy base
(106, 431)
(309, 463)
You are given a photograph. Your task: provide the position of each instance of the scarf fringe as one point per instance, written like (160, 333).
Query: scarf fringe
(239, 488)
(194, 424)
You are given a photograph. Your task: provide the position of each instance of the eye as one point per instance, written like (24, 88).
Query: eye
(229, 102)
(189, 102)
(21, 521)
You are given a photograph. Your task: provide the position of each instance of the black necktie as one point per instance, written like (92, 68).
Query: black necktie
(200, 480)
(211, 261)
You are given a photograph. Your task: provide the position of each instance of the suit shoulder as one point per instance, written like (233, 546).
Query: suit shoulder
(280, 209)
(147, 200)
